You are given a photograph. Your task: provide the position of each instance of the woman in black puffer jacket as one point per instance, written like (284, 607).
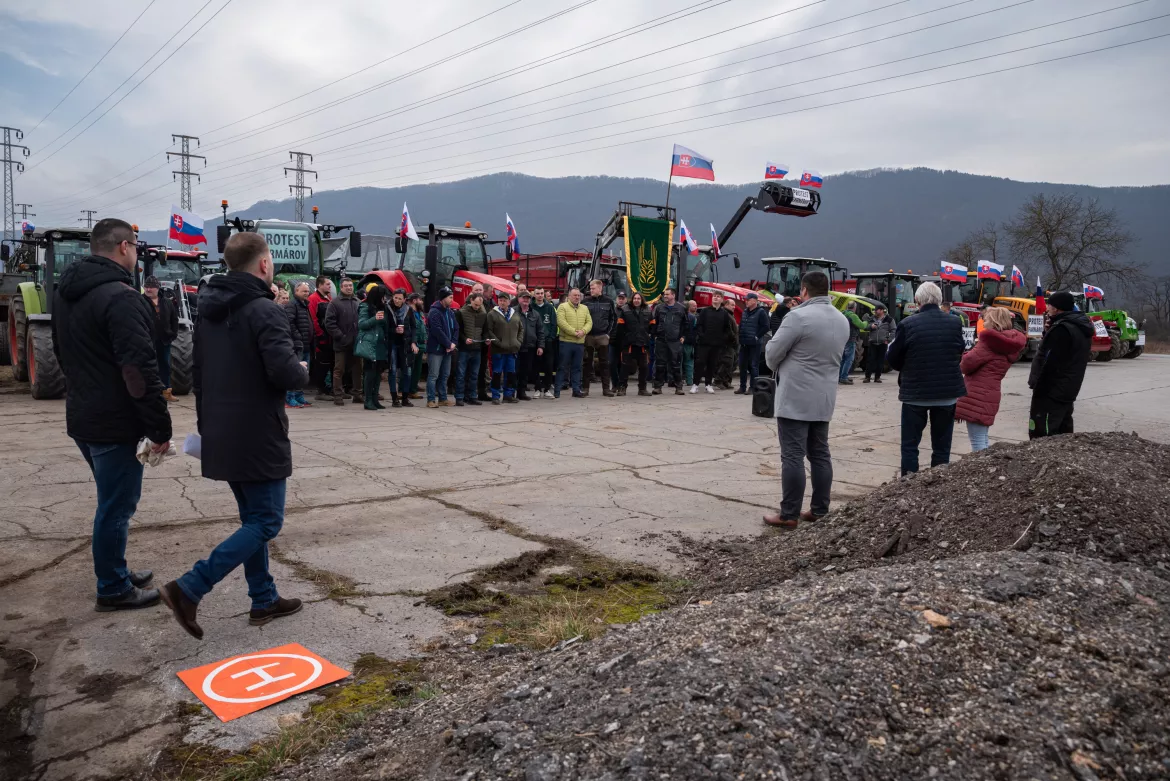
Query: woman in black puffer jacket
(633, 329)
(301, 325)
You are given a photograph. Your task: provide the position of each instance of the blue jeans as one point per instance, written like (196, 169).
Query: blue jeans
(163, 353)
(261, 516)
(942, 426)
(466, 372)
(399, 372)
(572, 356)
(847, 359)
(749, 366)
(438, 369)
(297, 397)
(977, 433)
(504, 375)
(118, 475)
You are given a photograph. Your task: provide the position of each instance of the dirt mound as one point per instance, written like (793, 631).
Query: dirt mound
(993, 666)
(1100, 495)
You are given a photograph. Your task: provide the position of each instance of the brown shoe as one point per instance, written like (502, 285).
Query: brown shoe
(183, 608)
(773, 519)
(432, 404)
(278, 609)
(168, 395)
(679, 391)
(808, 517)
(447, 403)
(416, 395)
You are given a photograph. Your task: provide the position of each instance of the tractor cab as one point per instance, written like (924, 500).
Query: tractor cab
(784, 274)
(610, 270)
(298, 249)
(894, 290)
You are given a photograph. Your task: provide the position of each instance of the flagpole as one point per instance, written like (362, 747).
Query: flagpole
(669, 179)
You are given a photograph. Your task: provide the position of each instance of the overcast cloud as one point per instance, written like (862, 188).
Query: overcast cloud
(1097, 119)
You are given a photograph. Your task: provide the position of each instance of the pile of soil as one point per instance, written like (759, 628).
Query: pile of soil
(1100, 495)
(1026, 666)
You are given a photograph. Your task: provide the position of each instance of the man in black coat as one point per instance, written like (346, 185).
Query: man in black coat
(166, 328)
(753, 331)
(604, 315)
(1059, 368)
(103, 335)
(244, 365)
(670, 328)
(713, 331)
(300, 324)
(341, 323)
(926, 352)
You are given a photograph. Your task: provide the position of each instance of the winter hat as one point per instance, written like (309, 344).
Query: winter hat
(151, 281)
(1062, 301)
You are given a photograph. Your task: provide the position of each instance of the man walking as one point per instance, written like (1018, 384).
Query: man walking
(881, 330)
(341, 323)
(442, 331)
(670, 327)
(505, 330)
(603, 315)
(713, 330)
(753, 327)
(1059, 368)
(402, 348)
(166, 328)
(574, 322)
(244, 365)
(532, 349)
(548, 362)
(926, 352)
(472, 319)
(321, 365)
(805, 353)
(103, 339)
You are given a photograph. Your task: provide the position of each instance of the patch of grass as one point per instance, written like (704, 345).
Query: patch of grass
(377, 684)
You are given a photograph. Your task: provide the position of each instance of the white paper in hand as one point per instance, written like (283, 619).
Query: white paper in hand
(193, 445)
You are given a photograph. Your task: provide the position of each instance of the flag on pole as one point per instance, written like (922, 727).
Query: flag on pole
(1041, 304)
(510, 233)
(776, 170)
(406, 227)
(186, 227)
(952, 272)
(685, 236)
(988, 270)
(811, 178)
(27, 227)
(1017, 277)
(1092, 291)
(714, 243)
(688, 162)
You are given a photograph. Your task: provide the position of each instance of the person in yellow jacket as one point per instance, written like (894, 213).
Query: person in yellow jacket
(573, 323)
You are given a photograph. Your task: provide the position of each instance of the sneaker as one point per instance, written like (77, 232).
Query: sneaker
(694, 389)
(306, 403)
(495, 401)
(432, 404)
(278, 609)
(447, 403)
(657, 390)
(550, 395)
(511, 400)
(710, 389)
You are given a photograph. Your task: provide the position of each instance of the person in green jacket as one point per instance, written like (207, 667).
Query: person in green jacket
(856, 327)
(505, 331)
(373, 343)
(420, 339)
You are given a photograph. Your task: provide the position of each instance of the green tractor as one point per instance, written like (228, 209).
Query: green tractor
(1127, 339)
(299, 249)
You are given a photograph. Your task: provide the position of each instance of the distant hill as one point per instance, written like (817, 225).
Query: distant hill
(869, 220)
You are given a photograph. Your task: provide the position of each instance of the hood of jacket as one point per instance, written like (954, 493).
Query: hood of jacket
(83, 276)
(227, 292)
(1078, 320)
(1004, 342)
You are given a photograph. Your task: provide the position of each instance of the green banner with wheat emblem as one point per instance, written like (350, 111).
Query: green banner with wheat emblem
(648, 255)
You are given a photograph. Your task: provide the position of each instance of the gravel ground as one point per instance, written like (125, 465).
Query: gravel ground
(1001, 618)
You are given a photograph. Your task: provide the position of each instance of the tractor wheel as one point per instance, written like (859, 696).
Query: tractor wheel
(1134, 351)
(182, 362)
(44, 373)
(1104, 356)
(1117, 348)
(17, 336)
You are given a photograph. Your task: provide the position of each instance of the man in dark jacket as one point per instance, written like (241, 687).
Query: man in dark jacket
(301, 326)
(244, 365)
(926, 352)
(712, 331)
(505, 330)
(532, 349)
(321, 365)
(881, 330)
(670, 328)
(402, 348)
(104, 342)
(341, 323)
(472, 319)
(604, 315)
(549, 360)
(166, 328)
(729, 355)
(442, 333)
(1059, 368)
(753, 329)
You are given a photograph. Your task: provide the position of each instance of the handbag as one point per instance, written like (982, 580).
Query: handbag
(764, 397)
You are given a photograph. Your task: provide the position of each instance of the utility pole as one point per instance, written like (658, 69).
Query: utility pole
(88, 218)
(9, 161)
(299, 188)
(185, 157)
(24, 211)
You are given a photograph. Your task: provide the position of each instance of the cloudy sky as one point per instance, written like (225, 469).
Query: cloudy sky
(387, 94)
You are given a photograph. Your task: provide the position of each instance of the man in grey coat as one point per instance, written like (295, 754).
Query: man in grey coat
(805, 352)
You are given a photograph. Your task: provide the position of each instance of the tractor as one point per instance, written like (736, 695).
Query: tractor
(894, 290)
(968, 298)
(1125, 335)
(558, 272)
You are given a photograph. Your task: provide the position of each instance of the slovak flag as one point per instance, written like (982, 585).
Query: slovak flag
(714, 243)
(811, 179)
(776, 170)
(27, 227)
(510, 233)
(1017, 277)
(989, 270)
(406, 227)
(685, 236)
(1092, 291)
(952, 272)
(186, 227)
(688, 162)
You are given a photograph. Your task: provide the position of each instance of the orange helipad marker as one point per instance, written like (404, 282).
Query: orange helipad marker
(247, 683)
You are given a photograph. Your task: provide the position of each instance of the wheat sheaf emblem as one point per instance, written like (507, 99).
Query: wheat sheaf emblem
(648, 267)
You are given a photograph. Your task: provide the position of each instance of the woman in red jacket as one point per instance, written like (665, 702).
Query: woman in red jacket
(984, 367)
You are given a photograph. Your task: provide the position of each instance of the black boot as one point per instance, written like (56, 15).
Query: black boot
(131, 600)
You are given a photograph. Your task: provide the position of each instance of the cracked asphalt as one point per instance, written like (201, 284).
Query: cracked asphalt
(397, 503)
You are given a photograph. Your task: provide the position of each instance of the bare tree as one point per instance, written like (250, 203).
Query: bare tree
(1069, 240)
(985, 242)
(962, 254)
(1153, 301)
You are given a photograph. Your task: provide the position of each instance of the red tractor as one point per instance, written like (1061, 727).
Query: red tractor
(557, 272)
